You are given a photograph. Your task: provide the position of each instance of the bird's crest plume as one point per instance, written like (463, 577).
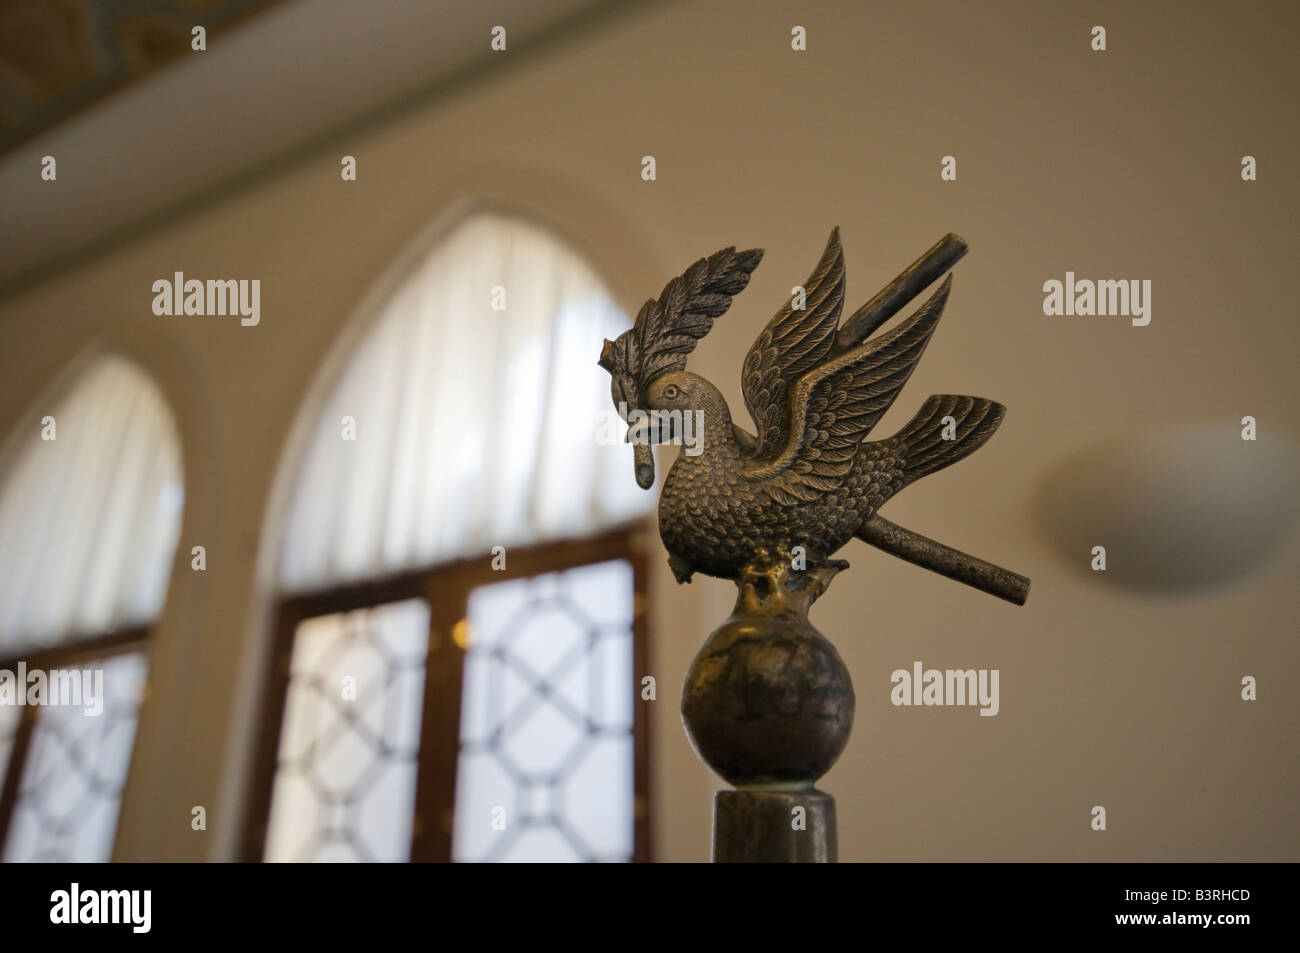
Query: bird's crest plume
(667, 328)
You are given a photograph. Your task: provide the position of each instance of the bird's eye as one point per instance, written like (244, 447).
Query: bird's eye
(671, 392)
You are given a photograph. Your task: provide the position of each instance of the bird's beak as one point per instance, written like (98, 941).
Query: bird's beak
(639, 432)
(645, 466)
(646, 430)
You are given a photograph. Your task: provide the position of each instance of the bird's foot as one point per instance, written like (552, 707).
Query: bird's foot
(770, 582)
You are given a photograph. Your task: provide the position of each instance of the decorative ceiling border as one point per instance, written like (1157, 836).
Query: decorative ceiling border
(58, 57)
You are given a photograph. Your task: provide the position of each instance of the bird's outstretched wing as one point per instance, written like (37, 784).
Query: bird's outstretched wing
(667, 328)
(794, 342)
(834, 406)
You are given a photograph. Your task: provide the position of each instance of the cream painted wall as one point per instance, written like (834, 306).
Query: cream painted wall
(1122, 164)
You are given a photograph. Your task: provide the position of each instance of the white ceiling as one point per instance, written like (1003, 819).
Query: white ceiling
(283, 81)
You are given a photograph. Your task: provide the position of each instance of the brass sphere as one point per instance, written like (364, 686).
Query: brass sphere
(768, 700)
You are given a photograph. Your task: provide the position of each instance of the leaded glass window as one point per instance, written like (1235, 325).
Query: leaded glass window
(72, 779)
(415, 471)
(545, 767)
(91, 494)
(345, 783)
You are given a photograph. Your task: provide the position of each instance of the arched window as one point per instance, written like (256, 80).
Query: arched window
(90, 508)
(459, 628)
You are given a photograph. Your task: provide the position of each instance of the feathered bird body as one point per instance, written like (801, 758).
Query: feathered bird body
(718, 507)
(808, 478)
(712, 518)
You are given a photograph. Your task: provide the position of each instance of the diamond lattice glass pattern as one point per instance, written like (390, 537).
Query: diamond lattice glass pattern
(546, 761)
(72, 780)
(345, 778)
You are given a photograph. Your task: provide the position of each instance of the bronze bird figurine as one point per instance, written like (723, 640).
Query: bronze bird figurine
(809, 477)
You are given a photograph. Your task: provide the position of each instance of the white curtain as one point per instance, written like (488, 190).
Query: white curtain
(473, 427)
(89, 519)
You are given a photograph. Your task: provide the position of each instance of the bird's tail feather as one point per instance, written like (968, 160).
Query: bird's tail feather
(931, 442)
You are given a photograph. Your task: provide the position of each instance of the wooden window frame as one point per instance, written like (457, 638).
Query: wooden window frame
(446, 588)
(72, 654)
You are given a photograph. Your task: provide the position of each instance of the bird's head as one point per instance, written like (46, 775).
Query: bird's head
(679, 405)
